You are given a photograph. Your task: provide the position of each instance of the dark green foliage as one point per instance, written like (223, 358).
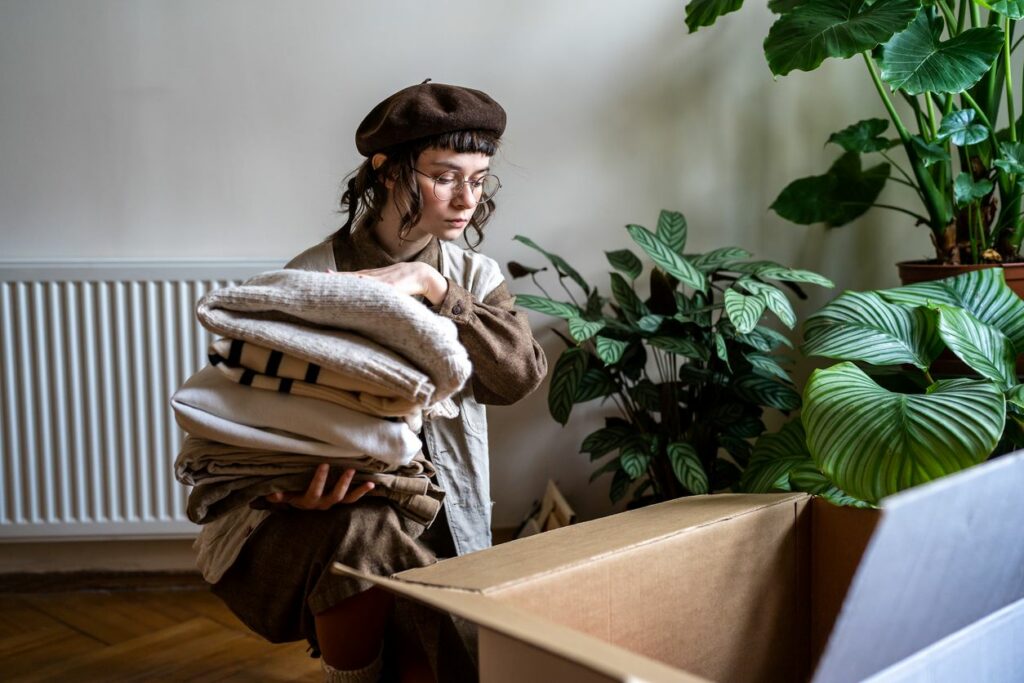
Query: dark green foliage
(689, 388)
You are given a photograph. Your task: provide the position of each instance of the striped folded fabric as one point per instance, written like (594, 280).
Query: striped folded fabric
(355, 326)
(273, 370)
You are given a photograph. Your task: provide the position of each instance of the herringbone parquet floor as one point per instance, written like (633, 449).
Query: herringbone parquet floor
(152, 635)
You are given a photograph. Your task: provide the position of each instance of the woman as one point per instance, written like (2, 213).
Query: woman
(425, 182)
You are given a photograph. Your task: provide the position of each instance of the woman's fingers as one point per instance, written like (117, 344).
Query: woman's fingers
(359, 492)
(337, 494)
(315, 490)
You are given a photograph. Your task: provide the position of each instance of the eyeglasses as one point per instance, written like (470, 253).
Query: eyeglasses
(450, 184)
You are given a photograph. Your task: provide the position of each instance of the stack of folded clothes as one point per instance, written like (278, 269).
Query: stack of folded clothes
(315, 368)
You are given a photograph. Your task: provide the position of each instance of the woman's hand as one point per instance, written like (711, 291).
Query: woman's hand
(412, 278)
(314, 498)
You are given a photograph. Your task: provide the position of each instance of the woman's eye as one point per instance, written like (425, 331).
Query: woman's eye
(445, 179)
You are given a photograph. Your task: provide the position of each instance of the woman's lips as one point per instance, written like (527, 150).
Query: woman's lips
(458, 222)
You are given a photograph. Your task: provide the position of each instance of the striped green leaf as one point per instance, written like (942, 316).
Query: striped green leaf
(863, 326)
(721, 349)
(744, 311)
(984, 293)
(610, 350)
(746, 428)
(667, 259)
(610, 466)
(984, 348)
(620, 484)
(687, 468)
(768, 366)
(719, 257)
(546, 306)
(634, 460)
(565, 381)
(774, 457)
(672, 230)
(557, 261)
(767, 392)
(872, 442)
(625, 261)
(582, 330)
(627, 299)
(1015, 404)
(606, 440)
(782, 274)
(679, 346)
(596, 383)
(776, 301)
(650, 322)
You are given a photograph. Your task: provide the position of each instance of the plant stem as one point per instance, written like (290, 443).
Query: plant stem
(975, 15)
(533, 276)
(981, 113)
(928, 377)
(936, 203)
(947, 13)
(561, 281)
(1009, 80)
(909, 181)
(933, 124)
(960, 15)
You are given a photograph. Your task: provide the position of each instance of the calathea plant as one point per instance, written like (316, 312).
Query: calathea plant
(857, 438)
(950, 62)
(688, 364)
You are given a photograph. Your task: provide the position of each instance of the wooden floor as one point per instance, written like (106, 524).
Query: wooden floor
(138, 635)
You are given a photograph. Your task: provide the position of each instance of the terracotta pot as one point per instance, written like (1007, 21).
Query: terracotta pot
(925, 271)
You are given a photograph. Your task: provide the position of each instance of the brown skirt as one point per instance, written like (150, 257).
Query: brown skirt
(282, 577)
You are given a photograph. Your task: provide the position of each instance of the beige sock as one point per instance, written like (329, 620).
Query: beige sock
(368, 674)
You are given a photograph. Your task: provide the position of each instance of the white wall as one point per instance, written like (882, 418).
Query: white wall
(201, 128)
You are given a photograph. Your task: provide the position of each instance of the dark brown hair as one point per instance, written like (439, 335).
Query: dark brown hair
(366, 192)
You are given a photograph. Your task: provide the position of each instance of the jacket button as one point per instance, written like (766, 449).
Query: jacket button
(457, 309)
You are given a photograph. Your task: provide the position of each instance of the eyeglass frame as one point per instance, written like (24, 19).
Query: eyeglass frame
(473, 184)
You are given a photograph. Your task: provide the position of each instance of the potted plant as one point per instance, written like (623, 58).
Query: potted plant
(863, 437)
(689, 367)
(949, 62)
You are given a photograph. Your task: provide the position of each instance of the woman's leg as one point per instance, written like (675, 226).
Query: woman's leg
(350, 633)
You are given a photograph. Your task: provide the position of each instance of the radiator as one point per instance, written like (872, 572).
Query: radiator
(91, 353)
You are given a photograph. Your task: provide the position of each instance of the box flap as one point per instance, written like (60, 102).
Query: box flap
(988, 650)
(943, 556)
(586, 651)
(518, 561)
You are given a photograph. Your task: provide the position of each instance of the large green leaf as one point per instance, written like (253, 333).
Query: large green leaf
(1012, 159)
(680, 347)
(557, 261)
(626, 261)
(627, 299)
(565, 380)
(718, 258)
(917, 60)
(782, 274)
(862, 326)
(984, 348)
(744, 311)
(634, 459)
(705, 12)
(864, 137)
(961, 129)
(774, 456)
(767, 366)
(606, 440)
(596, 383)
(610, 350)
(582, 330)
(767, 392)
(804, 38)
(872, 442)
(836, 198)
(983, 292)
(547, 306)
(774, 298)
(1013, 9)
(929, 153)
(966, 189)
(672, 230)
(687, 468)
(669, 261)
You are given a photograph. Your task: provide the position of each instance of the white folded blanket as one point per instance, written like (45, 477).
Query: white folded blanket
(347, 324)
(211, 406)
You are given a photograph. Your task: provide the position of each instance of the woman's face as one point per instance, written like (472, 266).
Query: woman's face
(446, 219)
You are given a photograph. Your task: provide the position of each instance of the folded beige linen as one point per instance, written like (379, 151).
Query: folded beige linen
(347, 324)
(212, 406)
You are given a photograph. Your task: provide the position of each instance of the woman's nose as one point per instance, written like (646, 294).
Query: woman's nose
(465, 196)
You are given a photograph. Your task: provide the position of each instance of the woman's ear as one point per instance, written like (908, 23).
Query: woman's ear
(376, 161)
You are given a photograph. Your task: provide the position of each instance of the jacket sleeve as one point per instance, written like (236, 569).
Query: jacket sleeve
(508, 363)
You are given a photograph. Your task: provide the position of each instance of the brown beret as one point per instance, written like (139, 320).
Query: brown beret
(424, 110)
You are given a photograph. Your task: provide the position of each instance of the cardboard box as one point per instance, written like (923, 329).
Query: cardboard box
(777, 587)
